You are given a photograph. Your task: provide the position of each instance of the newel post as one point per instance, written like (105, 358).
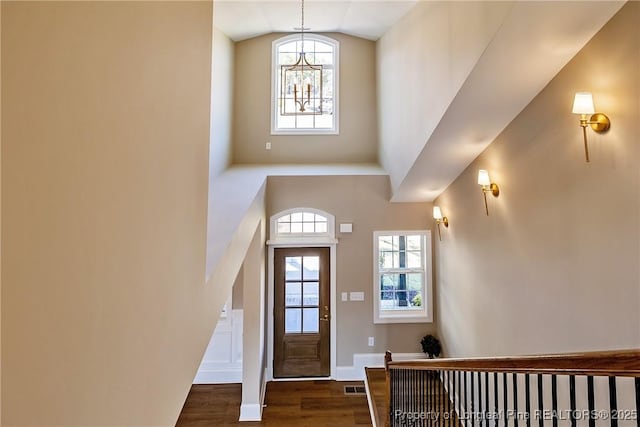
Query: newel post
(387, 360)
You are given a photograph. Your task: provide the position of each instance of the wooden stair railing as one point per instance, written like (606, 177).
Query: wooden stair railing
(514, 391)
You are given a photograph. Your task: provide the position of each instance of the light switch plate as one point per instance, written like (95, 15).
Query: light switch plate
(356, 296)
(345, 296)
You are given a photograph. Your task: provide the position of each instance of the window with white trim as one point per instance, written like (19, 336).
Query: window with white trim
(302, 222)
(304, 104)
(402, 277)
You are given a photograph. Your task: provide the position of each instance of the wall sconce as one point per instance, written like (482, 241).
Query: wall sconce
(487, 187)
(583, 105)
(437, 215)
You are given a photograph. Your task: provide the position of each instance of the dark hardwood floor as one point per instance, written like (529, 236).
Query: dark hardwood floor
(291, 403)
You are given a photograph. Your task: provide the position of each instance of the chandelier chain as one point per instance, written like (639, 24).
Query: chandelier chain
(302, 26)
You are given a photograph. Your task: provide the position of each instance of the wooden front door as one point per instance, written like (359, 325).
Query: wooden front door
(301, 313)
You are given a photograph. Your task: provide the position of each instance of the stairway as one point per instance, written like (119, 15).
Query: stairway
(432, 410)
(376, 385)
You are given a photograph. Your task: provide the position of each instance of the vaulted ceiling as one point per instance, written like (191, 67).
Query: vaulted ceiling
(243, 19)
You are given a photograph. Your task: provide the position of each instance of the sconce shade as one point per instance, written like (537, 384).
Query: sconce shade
(583, 103)
(487, 187)
(483, 177)
(437, 213)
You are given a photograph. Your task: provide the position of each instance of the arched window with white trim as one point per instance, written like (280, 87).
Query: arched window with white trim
(302, 223)
(304, 88)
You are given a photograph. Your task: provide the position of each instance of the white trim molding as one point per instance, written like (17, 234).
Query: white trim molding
(222, 361)
(253, 411)
(370, 360)
(250, 412)
(218, 375)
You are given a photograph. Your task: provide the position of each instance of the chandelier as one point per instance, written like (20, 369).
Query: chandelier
(301, 82)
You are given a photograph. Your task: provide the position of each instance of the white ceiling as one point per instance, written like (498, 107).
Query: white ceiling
(369, 19)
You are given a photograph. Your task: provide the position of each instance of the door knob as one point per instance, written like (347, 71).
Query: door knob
(325, 318)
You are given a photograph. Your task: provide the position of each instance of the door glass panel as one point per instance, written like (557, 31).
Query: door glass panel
(311, 294)
(292, 320)
(311, 320)
(293, 268)
(311, 266)
(293, 294)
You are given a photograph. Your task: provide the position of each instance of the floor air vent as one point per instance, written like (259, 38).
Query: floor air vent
(354, 390)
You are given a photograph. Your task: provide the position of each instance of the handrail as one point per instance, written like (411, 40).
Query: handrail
(622, 363)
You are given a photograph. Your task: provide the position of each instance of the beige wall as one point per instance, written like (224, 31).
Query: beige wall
(104, 201)
(555, 267)
(358, 139)
(221, 103)
(363, 201)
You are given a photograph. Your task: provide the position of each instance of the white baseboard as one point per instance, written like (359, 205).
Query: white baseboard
(369, 360)
(347, 373)
(219, 376)
(250, 412)
(253, 411)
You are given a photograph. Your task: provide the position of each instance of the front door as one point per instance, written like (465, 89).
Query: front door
(301, 313)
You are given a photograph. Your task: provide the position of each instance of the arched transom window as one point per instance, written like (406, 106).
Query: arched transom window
(302, 222)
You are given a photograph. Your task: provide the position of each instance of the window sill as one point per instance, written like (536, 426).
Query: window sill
(305, 132)
(403, 319)
(302, 240)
